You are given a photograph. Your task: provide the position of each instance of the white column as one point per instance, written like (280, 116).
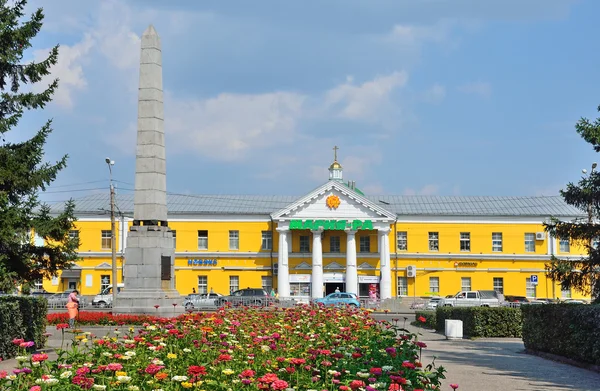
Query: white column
(351, 270)
(385, 267)
(317, 266)
(283, 272)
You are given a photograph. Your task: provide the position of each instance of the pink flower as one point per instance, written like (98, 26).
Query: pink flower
(279, 385)
(454, 386)
(35, 388)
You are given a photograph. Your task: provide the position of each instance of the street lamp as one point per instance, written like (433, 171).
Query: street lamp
(589, 206)
(113, 240)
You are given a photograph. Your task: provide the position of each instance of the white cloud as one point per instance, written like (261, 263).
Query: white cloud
(68, 69)
(430, 189)
(364, 101)
(412, 35)
(227, 126)
(482, 89)
(435, 93)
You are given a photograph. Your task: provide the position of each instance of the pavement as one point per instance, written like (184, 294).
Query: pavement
(487, 364)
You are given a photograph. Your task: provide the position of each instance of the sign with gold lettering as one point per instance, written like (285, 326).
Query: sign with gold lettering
(332, 225)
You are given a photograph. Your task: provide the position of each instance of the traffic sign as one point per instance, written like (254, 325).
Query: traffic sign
(534, 279)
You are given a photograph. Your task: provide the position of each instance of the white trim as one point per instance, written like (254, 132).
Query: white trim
(487, 257)
(219, 217)
(340, 187)
(459, 219)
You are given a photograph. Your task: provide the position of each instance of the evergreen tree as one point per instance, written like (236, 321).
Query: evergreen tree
(582, 274)
(23, 172)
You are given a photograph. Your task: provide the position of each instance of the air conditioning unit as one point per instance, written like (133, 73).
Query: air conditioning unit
(411, 271)
(540, 236)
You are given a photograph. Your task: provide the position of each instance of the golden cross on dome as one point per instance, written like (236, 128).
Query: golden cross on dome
(335, 149)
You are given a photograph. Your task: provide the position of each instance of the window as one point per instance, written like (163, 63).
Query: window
(465, 283)
(267, 240)
(471, 295)
(202, 240)
(234, 283)
(304, 244)
(434, 241)
(402, 286)
(174, 238)
(465, 241)
(104, 281)
(499, 284)
(530, 288)
(106, 240)
(267, 283)
(565, 292)
(234, 240)
(202, 284)
(38, 285)
(565, 246)
(402, 240)
(364, 244)
(334, 244)
(595, 242)
(74, 235)
(434, 284)
(529, 242)
(497, 241)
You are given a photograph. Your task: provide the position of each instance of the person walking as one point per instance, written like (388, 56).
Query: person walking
(73, 307)
(337, 289)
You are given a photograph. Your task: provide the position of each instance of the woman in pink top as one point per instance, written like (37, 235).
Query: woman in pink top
(73, 307)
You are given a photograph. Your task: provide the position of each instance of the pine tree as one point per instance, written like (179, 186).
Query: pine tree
(582, 274)
(23, 172)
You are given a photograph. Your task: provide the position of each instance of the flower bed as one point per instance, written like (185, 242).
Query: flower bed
(302, 348)
(90, 318)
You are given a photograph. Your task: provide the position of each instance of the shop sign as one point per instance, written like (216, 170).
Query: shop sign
(202, 262)
(300, 278)
(332, 225)
(368, 279)
(465, 264)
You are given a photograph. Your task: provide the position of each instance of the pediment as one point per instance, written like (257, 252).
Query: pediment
(366, 265)
(334, 201)
(303, 266)
(103, 265)
(333, 266)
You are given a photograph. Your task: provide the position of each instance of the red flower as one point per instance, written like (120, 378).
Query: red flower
(454, 386)
(156, 306)
(279, 385)
(225, 357)
(196, 370)
(422, 319)
(61, 326)
(356, 384)
(247, 373)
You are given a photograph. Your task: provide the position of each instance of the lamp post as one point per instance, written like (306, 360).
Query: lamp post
(113, 236)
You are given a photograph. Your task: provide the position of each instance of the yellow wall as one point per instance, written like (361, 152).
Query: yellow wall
(250, 263)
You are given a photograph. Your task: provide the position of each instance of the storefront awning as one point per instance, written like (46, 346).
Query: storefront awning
(71, 273)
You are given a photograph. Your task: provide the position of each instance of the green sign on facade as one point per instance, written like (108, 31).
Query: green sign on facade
(332, 225)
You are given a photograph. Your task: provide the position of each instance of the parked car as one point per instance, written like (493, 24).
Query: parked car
(59, 300)
(248, 296)
(574, 301)
(516, 299)
(433, 303)
(473, 299)
(104, 298)
(338, 299)
(201, 300)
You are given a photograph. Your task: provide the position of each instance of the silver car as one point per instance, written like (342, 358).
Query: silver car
(201, 300)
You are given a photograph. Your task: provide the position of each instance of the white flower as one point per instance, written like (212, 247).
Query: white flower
(130, 353)
(35, 363)
(99, 387)
(123, 379)
(107, 354)
(157, 361)
(187, 350)
(387, 368)
(151, 328)
(66, 374)
(179, 378)
(22, 358)
(133, 388)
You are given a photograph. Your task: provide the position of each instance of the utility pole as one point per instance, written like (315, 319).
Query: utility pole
(113, 240)
(590, 203)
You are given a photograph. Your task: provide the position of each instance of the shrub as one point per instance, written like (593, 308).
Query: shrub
(483, 322)
(21, 317)
(568, 330)
(430, 319)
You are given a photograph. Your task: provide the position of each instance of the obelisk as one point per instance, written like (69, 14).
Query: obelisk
(149, 256)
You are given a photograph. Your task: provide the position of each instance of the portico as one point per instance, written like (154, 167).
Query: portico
(340, 212)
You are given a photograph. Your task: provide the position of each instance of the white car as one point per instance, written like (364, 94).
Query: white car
(201, 300)
(433, 303)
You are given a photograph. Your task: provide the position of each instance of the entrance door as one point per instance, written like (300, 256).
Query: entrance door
(72, 285)
(330, 287)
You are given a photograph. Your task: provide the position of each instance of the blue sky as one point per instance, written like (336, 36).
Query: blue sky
(435, 97)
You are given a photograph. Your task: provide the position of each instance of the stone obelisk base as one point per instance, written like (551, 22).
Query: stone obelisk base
(145, 291)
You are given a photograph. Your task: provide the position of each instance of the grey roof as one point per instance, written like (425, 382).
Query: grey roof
(98, 204)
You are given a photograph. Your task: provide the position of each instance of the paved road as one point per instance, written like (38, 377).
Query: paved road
(478, 365)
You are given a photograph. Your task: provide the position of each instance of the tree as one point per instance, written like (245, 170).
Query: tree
(23, 172)
(582, 274)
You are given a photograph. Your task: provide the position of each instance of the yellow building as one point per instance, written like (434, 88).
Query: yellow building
(337, 237)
